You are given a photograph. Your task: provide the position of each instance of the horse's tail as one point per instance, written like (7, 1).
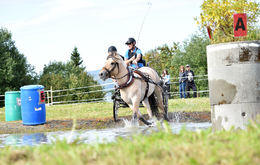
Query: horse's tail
(153, 105)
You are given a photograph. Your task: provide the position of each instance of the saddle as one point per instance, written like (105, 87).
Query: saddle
(143, 76)
(147, 79)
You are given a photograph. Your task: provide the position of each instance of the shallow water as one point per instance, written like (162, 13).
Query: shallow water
(92, 136)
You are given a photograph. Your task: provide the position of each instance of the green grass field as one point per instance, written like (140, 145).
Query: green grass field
(195, 148)
(104, 110)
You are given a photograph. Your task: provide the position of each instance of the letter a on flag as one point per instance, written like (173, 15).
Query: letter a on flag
(240, 25)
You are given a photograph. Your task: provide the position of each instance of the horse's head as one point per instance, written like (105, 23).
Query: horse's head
(113, 63)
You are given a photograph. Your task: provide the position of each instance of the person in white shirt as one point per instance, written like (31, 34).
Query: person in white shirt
(166, 80)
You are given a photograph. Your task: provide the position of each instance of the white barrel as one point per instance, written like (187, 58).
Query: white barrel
(234, 83)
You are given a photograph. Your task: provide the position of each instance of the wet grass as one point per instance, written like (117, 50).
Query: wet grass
(105, 110)
(195, 148)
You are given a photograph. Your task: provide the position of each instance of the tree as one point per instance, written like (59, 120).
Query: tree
(14, 68)
(217, 16)
(192, 51)
(75, 57)
(161, 57)
(60, 75)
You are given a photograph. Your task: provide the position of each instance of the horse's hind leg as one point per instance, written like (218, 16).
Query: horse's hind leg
(148, 107)
(158, 94)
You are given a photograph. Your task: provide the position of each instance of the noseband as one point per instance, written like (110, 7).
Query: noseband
(129, 74)
(116, 65)
(113, 68)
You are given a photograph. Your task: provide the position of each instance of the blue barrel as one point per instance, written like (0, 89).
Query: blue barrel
(33, 105)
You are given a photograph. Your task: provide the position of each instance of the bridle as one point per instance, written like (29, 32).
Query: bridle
(129, 73)
(113, 68)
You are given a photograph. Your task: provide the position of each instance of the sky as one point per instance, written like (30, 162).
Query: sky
(48, 30)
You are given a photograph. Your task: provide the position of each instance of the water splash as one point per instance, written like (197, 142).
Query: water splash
(71, 136)
(177, 116)
(130, 123)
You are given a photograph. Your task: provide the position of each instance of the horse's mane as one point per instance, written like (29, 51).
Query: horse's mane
(115, 56)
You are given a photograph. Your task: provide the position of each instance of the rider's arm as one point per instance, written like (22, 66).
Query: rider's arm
(130, 60)
(138, 57)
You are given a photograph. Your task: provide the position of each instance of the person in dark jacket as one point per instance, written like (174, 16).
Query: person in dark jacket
(182, 82)
(190, 82)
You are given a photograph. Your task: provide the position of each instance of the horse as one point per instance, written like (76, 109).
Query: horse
(141, 85)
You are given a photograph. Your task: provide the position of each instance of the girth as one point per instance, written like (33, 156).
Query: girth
(146, 79)
(143, 76)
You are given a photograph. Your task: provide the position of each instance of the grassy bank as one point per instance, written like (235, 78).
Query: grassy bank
(205, 147)
(104, 110)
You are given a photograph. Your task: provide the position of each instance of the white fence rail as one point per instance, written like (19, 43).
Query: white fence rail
(92, 86)
(2, 98)
(53, 95)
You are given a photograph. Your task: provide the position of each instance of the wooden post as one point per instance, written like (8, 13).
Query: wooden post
(48, 98)
(51, 97)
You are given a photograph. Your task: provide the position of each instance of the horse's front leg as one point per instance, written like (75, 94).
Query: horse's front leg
(137, 113)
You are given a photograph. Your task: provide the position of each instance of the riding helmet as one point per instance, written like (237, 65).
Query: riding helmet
(130, 40)
(112, 49)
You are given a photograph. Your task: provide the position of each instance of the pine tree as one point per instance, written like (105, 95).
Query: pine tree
(75, 57)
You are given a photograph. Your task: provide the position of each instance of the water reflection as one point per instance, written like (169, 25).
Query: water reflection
(34, 139)
(91, 136)
(23, 139)
(13, 140)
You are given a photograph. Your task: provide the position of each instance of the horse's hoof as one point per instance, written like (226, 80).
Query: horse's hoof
(167, 119)
(145, 121)
(118, 120)
(149, 124)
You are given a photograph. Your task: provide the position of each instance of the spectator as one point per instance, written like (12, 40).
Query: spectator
(182, 82)
(190, 82)
(166, 80)
(133, 55)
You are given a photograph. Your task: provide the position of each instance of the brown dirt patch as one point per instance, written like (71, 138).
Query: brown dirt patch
(58, 125)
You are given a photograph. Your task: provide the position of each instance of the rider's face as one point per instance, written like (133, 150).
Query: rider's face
(130, 46)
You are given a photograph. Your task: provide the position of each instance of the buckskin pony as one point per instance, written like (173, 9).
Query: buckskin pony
(142, 85)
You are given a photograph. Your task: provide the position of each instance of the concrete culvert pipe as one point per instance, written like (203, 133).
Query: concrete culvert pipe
(234, 83)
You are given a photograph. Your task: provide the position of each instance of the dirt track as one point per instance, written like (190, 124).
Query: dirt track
(57, 125)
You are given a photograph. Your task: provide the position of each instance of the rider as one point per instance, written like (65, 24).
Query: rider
(112, 49)
(133, 55)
